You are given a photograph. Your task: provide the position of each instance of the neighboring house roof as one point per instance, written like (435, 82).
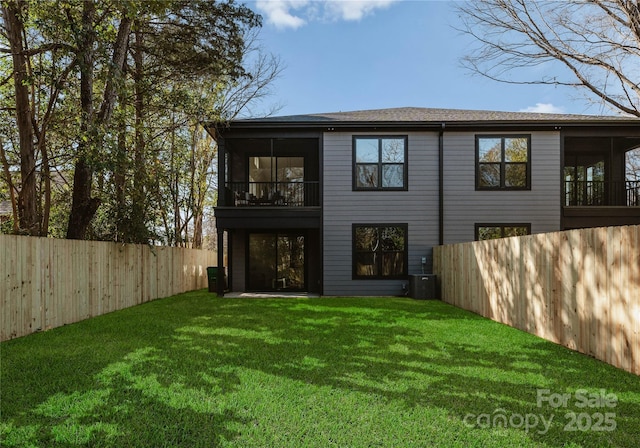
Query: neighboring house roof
(431, 117)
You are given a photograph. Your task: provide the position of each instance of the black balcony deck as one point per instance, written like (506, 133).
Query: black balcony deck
(593, 193)
(272, 194)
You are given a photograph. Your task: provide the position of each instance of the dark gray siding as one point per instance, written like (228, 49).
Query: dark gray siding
(238, 259)
(418, 207)
(464, 206)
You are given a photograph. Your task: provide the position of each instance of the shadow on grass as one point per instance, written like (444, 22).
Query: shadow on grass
(195, 370)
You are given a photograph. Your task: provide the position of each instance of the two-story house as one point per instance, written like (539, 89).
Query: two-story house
(351, 203)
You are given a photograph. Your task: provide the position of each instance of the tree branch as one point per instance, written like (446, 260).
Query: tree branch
(598, 42)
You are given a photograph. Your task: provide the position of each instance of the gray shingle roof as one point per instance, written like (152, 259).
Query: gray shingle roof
(427, 115)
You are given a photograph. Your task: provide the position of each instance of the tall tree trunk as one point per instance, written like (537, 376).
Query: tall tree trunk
(84, 206)
(197, 230)
(174, 185)
(42, 144)
(46, 172)
(139, 213)
(12, 188)
(27, 210)
(119, 176)
(198, 180)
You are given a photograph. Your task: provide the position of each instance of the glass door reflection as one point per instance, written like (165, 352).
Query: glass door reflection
(276, 262)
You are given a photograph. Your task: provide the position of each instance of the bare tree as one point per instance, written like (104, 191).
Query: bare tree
(243, 95)
(596, 41)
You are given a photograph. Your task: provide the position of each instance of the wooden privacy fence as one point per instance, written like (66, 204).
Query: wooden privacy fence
(578, 288)
(49, 282)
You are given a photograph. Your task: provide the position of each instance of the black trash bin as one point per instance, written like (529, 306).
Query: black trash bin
(212, 276)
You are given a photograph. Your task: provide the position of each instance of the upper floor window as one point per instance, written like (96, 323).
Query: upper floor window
(380, 163)
(503, 162)
(379, 251)
(493, 231)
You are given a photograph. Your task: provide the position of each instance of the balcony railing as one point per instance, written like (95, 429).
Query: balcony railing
(272, 194)
(592, 193)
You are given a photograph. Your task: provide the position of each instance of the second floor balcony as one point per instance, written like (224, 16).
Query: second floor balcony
(272, 194)
(595, 193)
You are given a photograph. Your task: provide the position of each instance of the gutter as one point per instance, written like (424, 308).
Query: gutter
(330, 125)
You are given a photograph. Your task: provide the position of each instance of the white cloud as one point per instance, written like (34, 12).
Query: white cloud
(544, 108)
(296, 13)
(277, 12)
(354, 9)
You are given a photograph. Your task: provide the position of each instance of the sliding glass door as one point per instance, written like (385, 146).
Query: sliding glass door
(276, 262)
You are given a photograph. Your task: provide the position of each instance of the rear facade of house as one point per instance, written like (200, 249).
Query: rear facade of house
(352, 203)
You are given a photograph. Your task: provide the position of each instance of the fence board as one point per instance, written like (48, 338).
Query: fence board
(47, 282)
(580, 288)
(622, 315)
(634, 314)
(11, 285)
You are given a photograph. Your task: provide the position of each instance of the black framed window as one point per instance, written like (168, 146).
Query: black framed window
(380, 163)
(493, 231)
(503, 162)
(380, 251)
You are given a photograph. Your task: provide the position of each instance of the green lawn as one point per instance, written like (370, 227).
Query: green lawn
(198, 371)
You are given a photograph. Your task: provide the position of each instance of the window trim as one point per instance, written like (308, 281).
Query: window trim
(405, 273)
(405, 164)
(502, 225)
(502, 162)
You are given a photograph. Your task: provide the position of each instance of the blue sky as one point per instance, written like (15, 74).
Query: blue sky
(367, 54)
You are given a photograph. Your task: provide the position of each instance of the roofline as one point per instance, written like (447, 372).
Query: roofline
(328, 126)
